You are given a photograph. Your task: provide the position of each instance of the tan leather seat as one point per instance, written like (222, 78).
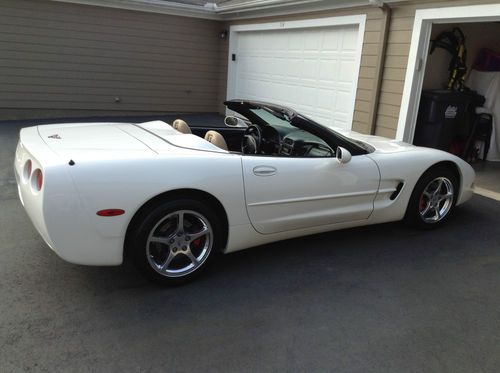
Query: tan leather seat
(217, 139)
(181, 126)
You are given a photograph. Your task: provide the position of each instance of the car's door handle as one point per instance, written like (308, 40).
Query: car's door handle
(264, 171)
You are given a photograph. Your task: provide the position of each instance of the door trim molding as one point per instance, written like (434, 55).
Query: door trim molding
(318, 198)
(235, 30)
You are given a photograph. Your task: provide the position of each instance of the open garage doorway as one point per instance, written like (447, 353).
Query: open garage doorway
(437, 111)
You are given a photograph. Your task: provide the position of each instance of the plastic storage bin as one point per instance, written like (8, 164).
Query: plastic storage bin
(444, 115)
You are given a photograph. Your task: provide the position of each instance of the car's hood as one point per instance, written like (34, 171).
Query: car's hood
(118, 138)
(381, 144)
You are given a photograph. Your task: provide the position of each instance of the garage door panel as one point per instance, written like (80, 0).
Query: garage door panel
(328, 69)
(346, 71)
(326, 100)
(350, 39)
(331, 40)
(309, 68)
(311, 41)
(312, 70)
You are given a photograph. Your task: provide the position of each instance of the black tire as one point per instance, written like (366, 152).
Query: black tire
(157, 223)
(419, 201)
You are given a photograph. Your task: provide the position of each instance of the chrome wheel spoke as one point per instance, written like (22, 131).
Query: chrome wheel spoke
(446, 196)
(191, 257)
(176, 257)
(437, 214)
(167, 262)
(195, 236)
(438, 188)
(426, 210)
(162, 240)
(438, 195)
(180, 222)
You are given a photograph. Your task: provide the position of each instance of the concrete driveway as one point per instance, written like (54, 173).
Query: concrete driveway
(378, 299)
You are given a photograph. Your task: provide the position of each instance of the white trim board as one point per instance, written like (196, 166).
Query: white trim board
(357, 20)
(225, 12)
(152, 6)
(419, 50)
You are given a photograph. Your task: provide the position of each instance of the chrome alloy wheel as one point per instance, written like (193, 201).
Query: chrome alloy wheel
(179, 243)
(436, 200)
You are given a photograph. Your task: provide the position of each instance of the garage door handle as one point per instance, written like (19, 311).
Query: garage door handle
(264, 171)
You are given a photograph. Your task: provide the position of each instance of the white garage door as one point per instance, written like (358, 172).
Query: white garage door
(312, 70)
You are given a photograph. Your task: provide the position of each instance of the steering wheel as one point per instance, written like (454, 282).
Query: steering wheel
(252, 140)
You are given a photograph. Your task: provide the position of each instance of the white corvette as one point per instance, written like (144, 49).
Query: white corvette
(170, 200)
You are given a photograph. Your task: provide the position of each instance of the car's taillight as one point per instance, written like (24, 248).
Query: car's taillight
(37, 180)
(27, 170)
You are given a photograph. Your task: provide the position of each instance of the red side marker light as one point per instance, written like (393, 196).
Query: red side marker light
(110, 212)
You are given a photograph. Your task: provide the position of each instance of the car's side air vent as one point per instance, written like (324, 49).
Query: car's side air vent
(396, 192)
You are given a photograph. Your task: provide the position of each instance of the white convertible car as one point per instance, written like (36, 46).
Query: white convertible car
(170, 199)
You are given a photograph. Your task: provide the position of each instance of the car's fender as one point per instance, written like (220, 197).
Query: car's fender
(407, 167)
(128, 184)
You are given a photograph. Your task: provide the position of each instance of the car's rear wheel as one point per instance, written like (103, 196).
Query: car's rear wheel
(175, 241)
(433, 198)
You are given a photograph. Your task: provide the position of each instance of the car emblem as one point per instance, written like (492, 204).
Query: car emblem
(56, 136)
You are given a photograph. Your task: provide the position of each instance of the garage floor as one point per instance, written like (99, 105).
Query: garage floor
(488, 175)
(378, 299)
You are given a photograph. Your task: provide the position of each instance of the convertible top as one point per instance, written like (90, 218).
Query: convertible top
(333, 138)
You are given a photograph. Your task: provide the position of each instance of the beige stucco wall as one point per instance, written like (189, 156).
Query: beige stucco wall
(63, 59)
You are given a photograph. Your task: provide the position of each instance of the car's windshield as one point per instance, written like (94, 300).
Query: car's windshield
(292, 122)
(272, 119)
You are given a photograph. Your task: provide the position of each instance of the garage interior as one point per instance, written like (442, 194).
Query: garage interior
(481, 80)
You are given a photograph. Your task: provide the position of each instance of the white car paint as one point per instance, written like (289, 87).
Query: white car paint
(308, 192)
(123, 166)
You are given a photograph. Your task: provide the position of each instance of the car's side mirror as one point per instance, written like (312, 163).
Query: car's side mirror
(343, 155)
(231, 121)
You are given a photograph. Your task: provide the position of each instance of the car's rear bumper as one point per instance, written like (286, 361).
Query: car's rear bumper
(57, 211)
(31, 200)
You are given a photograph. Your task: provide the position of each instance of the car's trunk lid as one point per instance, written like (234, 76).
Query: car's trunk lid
(89, 137)
(68, 139)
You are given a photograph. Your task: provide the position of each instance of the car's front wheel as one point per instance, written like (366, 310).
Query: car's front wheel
(175, 241)
(433, 198)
